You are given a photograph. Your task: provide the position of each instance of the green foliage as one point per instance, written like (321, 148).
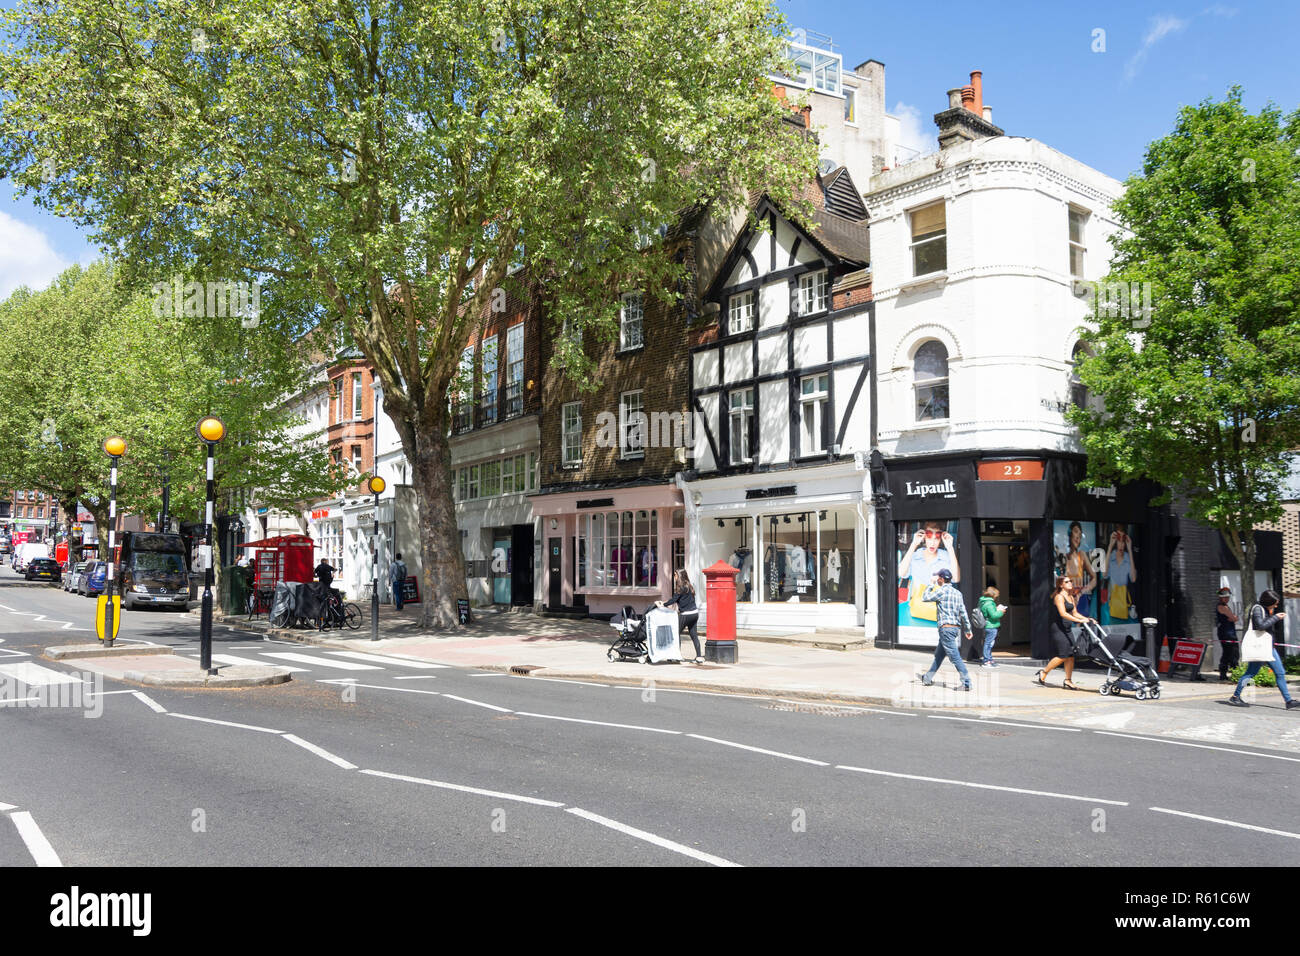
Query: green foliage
(1291, 663)
(1203, 394)
(89, 360)
(1264, 678)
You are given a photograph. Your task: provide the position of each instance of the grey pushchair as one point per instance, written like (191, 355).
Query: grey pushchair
(1124, 671)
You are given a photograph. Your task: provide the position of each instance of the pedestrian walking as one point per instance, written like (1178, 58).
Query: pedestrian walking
(992, 612)
(684, 598)
(325, 574)
(1262, 618)
(1225, 629)
(953, 621)
(1062, 635)
(397, 578)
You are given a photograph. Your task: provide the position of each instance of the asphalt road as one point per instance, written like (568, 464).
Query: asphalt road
(383, 763)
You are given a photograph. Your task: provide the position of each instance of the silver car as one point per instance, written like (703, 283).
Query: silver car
(72, 575)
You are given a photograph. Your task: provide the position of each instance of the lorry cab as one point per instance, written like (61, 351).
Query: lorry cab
(154, 570)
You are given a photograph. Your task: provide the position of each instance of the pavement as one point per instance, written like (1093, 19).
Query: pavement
(543, 647)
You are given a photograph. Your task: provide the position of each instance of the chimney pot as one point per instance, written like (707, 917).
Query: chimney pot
(954, 97)
(988, 114)
(968, 98)
(977, 84)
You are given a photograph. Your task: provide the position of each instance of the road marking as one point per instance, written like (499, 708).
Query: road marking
(681, 690)
(559, 680)
(399, 690)
(10, 652)
(416, 677)
(37, 845)
(496, 674)
(1108, 721)
(34, 675)
(226, 723)
(1219, 733)
(464, 789)
(321, 661)
(1005, 723)
(6, 807)
(759, 750)
(320, 752)
(232, 659)
(107, 693)
(602, 723)
(149, 702)
(1229, 823)
(478, 703)
(395, 661)
(985, 786)
(1184, 743)
(650, 837)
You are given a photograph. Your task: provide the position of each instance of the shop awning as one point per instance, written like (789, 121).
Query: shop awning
(279, 540)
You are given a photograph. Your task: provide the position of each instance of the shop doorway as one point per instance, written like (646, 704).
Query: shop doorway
(555, 572)
(521, 564)
(500, 568)
(1004, 550)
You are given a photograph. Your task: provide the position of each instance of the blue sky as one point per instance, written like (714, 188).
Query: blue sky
(1041, 76)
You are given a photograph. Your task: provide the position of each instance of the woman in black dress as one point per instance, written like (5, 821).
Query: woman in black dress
(1062, 642)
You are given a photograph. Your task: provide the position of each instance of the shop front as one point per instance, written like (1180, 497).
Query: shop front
(497, 537)
(611, 547)
(325, 525)
(1016, 523)
(797, 539)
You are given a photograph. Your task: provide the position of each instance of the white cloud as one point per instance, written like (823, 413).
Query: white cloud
(1161, 27)
(916, 135)
(26, 257)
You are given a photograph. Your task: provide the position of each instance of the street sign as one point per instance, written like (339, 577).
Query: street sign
(113, 611)
(1188, 652)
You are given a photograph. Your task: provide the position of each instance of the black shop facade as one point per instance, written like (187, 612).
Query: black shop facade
(1014, 522)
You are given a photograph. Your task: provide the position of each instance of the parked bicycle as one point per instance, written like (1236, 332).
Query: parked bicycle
(258, 601)
(339, 613)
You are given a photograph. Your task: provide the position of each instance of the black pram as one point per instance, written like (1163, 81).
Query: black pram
(630, 645)
(1124, 671)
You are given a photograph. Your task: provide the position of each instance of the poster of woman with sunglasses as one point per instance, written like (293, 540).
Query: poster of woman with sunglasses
(924, 548)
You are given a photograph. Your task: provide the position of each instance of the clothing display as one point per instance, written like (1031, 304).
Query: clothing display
(833, 566)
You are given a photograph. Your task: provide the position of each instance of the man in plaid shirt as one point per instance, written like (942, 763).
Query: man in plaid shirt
(952, 620)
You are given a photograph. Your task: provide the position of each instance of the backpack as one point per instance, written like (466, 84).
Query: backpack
(977, 618)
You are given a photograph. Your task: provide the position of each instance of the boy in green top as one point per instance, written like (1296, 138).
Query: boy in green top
(992, 612)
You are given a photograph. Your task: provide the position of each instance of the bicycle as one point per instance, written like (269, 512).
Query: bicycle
(258, 601)
(339, 613)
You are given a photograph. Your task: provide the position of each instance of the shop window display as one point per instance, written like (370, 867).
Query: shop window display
(834, 560)
(731, 540)
(790, 557)
(924, 549)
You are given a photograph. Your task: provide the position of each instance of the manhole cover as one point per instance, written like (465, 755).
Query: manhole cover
(825, 710)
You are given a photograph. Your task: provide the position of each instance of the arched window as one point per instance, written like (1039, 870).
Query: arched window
(1078, 391)
(930, 379)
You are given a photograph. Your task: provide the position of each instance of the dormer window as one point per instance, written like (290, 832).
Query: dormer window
(812, 292)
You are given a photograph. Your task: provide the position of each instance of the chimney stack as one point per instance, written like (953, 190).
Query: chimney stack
(977, 85)
(966, 118)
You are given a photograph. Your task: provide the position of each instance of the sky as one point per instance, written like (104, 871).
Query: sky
(1097, 81)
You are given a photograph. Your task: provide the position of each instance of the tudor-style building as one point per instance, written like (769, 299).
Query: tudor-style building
(780, 388)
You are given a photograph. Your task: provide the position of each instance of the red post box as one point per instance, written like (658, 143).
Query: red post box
(720, 630)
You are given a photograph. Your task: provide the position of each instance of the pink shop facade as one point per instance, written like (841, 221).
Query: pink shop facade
(610, 547)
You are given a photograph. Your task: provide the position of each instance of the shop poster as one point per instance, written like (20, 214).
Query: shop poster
(1101, 559)
(924, 548)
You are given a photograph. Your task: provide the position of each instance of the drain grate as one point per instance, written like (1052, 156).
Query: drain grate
(524, 669)
(825, 710)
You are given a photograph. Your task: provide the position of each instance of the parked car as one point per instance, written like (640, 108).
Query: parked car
(92, 579)
(43, 569)
(72, 575)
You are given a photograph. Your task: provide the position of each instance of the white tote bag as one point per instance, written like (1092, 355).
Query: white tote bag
(1256, 645)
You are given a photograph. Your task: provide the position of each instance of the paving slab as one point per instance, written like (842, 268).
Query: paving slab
(168, 670)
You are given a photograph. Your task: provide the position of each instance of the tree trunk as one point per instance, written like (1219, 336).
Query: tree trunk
(442, 560)
(1247, 570)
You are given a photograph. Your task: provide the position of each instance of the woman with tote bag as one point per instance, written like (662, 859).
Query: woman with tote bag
(1257, 642)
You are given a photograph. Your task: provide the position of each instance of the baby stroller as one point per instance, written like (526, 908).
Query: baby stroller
(1124, 671)
(630, 645)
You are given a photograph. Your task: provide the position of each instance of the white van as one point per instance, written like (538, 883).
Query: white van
(27, 552)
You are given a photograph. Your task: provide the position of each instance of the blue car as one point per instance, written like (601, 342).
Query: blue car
(92, 581)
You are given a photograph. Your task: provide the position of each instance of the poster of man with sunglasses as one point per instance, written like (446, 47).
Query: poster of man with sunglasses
(924, 548)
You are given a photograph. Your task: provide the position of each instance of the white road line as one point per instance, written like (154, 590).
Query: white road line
(985, 786)
(1006, 723)
(149, 702)
(1229, 823)
(107, 693)
(416, 677)
(227, 723)
(561, 680)
(1184, 743)
(398, 690)
(232, 659)
(9, 652)
(464, 789)
(321, 661)
(682, 690)
(650, 837)
(868, 710)
(6, 807)
(37, 845)
(494, 674)
(602, 723)
(478, 703)
(759, 750)
(34, 675)
(320, 752)
(395, 661)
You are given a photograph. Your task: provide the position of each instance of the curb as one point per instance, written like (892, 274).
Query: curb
(161, 680)
(73, 651)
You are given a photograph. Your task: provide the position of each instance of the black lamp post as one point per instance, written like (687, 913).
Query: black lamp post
(377, 486)
(211, 430)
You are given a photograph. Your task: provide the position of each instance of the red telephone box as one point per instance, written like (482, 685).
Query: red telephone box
(287, 557)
